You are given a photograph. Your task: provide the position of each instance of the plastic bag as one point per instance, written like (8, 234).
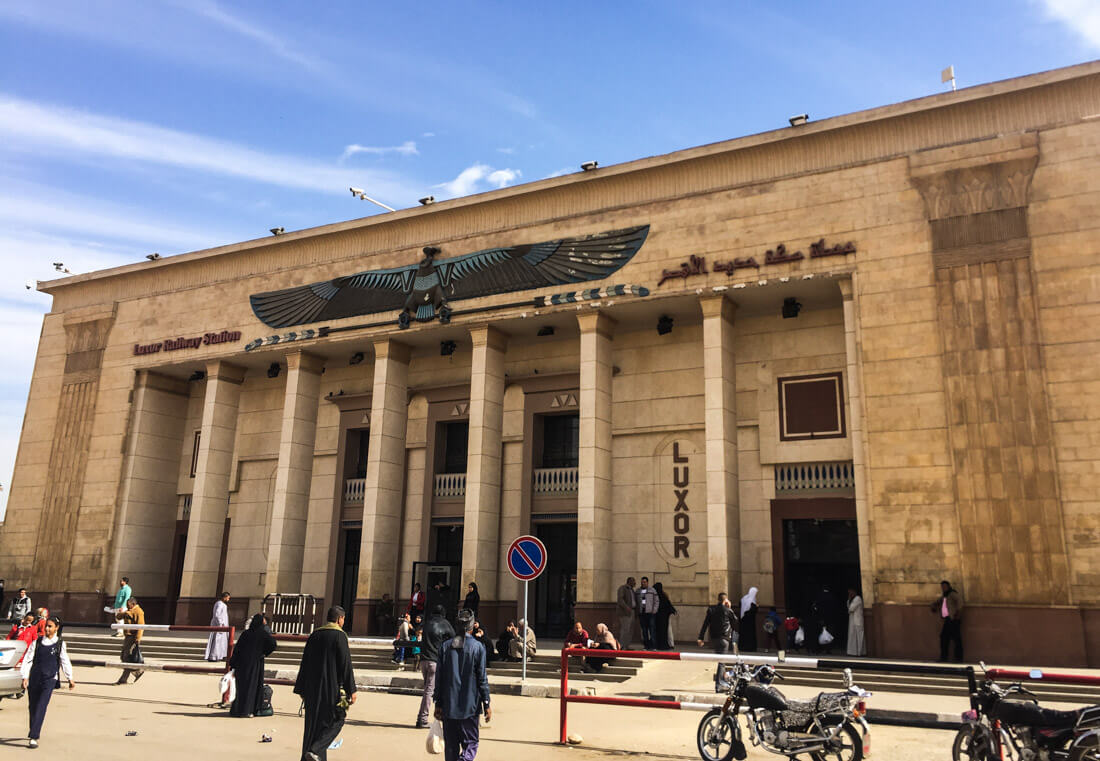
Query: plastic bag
(800, 636)
(671, 633)
(825, 638)
(434, 742)
(228, 687)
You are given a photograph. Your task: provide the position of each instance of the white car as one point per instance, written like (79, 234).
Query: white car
(11, 682)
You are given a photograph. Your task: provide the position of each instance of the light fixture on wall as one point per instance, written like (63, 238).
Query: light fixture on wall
(791, 308)
(447, 348)
(273, 370)
(664, 325)
(546, 330)
(356, 358)
(197, 375)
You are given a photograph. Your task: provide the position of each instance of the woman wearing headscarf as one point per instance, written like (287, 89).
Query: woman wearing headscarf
(254, 644)
(604, 640)
(665, 610)
(473, 599)
(747, 643)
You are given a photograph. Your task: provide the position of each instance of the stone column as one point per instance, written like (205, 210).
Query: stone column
(146, 518)
(594, 452)
(210, 500)
(293, 474)
(719, 391)
(385, 480)
(481, 521)
(857, 437)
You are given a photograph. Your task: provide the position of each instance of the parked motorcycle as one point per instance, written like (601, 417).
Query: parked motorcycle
(829, 727)
(1008, 722)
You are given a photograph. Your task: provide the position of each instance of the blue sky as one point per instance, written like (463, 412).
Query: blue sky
(134, 126)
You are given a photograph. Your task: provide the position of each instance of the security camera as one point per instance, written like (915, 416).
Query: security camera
(798, 119)
(152, 257)
(357, 191)
(588, 166)
(277, 231)
(30, 285)
(427, 200)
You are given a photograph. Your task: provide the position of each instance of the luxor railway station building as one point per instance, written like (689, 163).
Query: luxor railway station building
(861, 351)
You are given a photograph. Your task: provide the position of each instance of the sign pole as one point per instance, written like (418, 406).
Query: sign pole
(526, 624)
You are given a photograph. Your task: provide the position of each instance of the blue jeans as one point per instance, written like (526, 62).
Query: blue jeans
(647, 622)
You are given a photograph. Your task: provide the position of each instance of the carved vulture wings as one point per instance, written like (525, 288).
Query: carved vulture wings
(424, 288)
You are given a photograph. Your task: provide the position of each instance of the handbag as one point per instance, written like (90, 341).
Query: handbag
(132, 654)
(434, 742)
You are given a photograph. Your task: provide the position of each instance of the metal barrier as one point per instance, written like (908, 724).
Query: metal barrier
(1038, 675)
(290, 614)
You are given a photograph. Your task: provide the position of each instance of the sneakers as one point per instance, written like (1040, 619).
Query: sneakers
(138, 675)
(32, 743)
(421, 724)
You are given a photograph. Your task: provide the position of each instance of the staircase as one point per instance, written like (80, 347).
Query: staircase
(363, 657)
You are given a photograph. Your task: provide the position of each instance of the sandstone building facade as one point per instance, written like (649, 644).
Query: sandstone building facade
(857, 352)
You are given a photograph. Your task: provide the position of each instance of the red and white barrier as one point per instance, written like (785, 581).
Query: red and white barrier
(1039, 675)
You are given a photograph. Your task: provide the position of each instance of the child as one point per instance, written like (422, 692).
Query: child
(417, 635)
(45, 662)
(791, 626)
(404, 633)
(772, 624)
(26, 631)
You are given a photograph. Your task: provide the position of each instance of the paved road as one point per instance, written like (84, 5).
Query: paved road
(173, 721)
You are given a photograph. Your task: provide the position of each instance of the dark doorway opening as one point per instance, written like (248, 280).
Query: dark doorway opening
(350, 541)
(555, 591)
(175, 572)
(447, 544)
(816, 551)
(440, 583)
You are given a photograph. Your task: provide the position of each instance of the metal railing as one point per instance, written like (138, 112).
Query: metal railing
(554, 481)
(354, 488)
(814, 476)
(450, 485)
(291, 614)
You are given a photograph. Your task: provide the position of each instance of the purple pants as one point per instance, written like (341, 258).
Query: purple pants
(460, 737)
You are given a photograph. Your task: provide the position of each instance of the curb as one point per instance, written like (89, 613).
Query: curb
(880, 716)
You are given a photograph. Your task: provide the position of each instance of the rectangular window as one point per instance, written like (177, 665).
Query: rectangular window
(560, 441)
(811, 407)
(195, 454)
(455, 439)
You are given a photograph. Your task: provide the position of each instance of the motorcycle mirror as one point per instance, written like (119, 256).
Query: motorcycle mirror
(1035, 673)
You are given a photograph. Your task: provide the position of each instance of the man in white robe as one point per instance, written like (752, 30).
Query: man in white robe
(218, 643)
(857, 642)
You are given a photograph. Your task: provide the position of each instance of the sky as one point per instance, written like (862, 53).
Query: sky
(136, 126)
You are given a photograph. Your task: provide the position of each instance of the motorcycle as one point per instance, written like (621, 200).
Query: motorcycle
(829, 727)
(1008, 722)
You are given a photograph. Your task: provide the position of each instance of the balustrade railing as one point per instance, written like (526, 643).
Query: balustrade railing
(354, 489)
(554, 481)
(814, 476)
(450, 485)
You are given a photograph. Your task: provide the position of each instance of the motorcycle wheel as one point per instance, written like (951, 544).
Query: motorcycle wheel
(718, 737)
(849, 746)
(972, 743)
(1086, 749)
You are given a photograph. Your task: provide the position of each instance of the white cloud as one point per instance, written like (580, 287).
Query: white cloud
(561, 172)
(274, 44)
(1081, 16)
(29, 127)
(428, 134)
(506, 151)
(473, 179)
(407, 148)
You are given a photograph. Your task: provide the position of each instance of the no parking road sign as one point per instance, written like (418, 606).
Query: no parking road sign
(527, 558)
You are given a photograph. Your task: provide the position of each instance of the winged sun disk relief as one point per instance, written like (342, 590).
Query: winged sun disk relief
(423, 291)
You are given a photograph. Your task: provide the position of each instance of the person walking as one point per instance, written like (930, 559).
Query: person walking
(747, 615)
(44, 664)
(626, 607)
(665, 611)
(461, 691)
(123, 594)
(131, 643)
(254, 644)
(437, 630)
(719, 625)
(857, 644)
(473, 599)
(949, 607)
(20, 606)
(326, 684)
(647, 614)
(218, 642)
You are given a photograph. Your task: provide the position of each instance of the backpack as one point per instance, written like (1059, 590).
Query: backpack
(265, 702)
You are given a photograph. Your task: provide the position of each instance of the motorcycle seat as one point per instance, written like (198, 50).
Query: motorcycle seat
(1031, 715)
(826, 701)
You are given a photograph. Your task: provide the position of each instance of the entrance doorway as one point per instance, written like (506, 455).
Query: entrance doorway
(175, 572)
(440, 584)
(350, 539)
(555, 591)
(816, 551)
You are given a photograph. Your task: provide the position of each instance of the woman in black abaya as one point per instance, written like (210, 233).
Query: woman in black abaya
(254, 644)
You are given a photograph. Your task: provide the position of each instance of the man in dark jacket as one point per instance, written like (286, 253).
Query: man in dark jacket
(326, 684)
(720, 620)
(437, 630)
(461, 691)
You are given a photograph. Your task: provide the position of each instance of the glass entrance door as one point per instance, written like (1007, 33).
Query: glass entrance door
(555, 591)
